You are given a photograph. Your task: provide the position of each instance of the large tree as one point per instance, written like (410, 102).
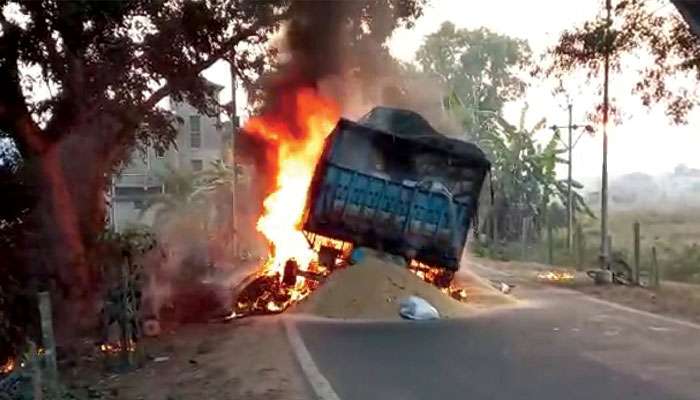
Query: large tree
(647, 39)
(105, 66)
(479, 68)
(80, 84)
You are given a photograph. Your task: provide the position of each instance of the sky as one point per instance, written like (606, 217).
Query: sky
(644, 142)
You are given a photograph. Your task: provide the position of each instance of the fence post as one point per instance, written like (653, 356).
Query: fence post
(550, 243)
(48, 340)
(580, 247)
(523, 237)
(636, 231)
(654, 278)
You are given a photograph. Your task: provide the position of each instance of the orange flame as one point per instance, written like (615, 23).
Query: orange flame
(296, 135)
(114, 348)
(556, 276)
(440, 278)
(8, 366)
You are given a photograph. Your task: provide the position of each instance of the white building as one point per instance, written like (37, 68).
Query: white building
(200, 141)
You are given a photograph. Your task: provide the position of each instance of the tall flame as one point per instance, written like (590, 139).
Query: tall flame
(295, 132)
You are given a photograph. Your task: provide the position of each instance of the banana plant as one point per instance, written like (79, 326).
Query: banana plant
(183, 195)
(523, 172)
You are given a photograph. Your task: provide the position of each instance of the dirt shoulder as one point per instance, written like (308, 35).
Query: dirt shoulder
(245, 359)
(673, 299)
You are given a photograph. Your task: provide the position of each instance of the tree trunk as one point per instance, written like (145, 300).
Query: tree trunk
(71, 179)
(61, 252)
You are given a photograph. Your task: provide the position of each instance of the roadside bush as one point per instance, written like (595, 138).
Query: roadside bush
(682, 264)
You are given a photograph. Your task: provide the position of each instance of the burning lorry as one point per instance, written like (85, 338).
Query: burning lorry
(388, 181)
(391, 182)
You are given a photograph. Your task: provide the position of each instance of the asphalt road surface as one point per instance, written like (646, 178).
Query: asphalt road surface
(562, 345)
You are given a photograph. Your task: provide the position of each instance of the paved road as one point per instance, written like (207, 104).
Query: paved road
(561, 346)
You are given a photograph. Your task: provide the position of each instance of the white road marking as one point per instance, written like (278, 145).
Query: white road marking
(659, 329)
(318, 382)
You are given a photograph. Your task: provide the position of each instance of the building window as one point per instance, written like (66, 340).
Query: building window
(195, 132)
(160, 152)
(197, 165)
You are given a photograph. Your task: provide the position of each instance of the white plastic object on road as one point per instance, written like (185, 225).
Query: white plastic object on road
(417, 308)
(505, 288)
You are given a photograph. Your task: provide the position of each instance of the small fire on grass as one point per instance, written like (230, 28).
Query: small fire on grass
(115, 348)
(8, 366)
(439, 277)
(556, 276)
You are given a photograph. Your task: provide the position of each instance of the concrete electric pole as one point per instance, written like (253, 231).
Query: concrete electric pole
(570, 144)
(234, 131)
(569, 194)
(604, 250)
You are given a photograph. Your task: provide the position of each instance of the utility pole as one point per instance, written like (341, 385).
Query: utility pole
(234, 131)
(604, 250)
(569, 192)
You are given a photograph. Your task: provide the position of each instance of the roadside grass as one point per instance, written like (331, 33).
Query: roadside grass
(674, 232)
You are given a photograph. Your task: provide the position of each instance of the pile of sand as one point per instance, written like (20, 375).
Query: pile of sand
(373, 288)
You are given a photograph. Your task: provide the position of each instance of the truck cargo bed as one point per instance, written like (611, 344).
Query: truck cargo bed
(409, 193)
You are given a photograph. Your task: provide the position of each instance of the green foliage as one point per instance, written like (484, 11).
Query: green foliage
(132, 242)
(123, 279)
(180, 197)
(116, 249)
(680, 264)
(477, 67)
(18, 316)
(524, 179)
(188, 194)
(478, 248)
(104, 59)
